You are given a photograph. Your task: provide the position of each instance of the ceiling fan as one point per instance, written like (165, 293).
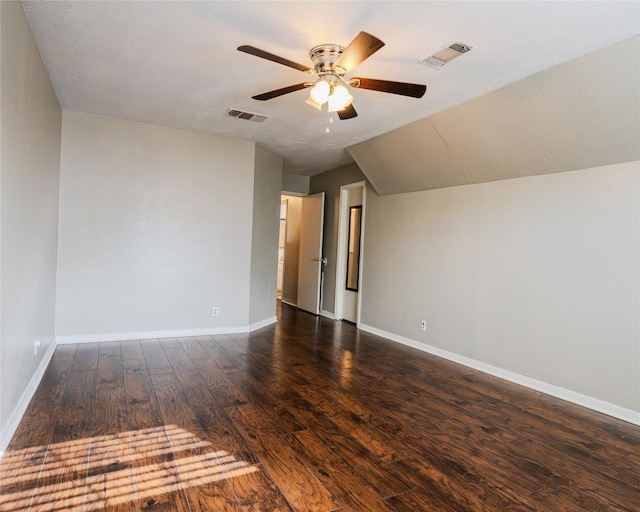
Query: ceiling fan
(331, 62)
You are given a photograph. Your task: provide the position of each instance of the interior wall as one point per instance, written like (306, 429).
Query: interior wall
(330, 182)
(537, 275)
(292, 250)
(30, 171)
(295, 184)
(155, 228)
(267, 185)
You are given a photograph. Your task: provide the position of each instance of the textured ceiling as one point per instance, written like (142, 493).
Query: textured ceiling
(175, 63)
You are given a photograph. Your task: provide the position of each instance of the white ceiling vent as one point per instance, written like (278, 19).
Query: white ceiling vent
(446, 54)
(248, 116)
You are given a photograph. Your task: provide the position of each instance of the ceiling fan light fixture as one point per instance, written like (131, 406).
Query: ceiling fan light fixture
(339, 99)
(320, 92)
(313, 103)
(331, 62)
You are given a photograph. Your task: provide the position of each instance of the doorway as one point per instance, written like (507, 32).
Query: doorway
(350, 252)
(300, 247)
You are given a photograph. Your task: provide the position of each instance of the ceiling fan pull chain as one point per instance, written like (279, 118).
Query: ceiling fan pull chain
(329, 120)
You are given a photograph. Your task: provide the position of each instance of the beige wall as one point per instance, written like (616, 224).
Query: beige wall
(538, 276)
(155, 229)
(295, 184)
(30, 170)
(265, 230)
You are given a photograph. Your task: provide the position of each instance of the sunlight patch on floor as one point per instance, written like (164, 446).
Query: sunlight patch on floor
(92, 474)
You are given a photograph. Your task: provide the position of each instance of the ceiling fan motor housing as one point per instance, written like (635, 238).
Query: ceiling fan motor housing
(324, 57)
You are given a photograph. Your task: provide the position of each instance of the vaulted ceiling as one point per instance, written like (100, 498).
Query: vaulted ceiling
(175, 64)
(576, 115)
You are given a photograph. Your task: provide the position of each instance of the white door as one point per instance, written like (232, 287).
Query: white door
(310, 264)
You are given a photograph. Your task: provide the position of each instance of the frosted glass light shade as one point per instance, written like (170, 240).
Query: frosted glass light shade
(339, 99)
(313, 103)
(320, 92)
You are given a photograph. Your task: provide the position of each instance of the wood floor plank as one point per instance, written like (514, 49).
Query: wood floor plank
(217, 425)
(219, 478)
(218, 354)
(417, 499)
(110, 484)
(157, 361)
(183, 367)
(193, 349)
(37, 424)
(86, 357)
(299, 486)
(384, 446)
(534, 430)
(134, 365)
(61, 484)
(201, 466)
(222, 388)
(358, 458)
(461, 487)
(24, 459)
(351, 492)
(257, 492)
(131, 349)
(156, 476)
(110, 371)
(264, 403)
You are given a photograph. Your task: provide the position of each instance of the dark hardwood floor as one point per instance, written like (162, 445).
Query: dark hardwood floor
(308, 415)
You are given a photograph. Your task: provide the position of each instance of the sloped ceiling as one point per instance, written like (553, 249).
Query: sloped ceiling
(175, 63)
(580, 114)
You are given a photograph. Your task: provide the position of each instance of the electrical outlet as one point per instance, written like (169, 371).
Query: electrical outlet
(36, 344)
(216, 311)
(423, 325)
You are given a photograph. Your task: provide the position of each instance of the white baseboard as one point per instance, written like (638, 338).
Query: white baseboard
(565, 394)
(138, 335)
(289, 302)
(146, 335)
(327, 314)
(263, 323)
(15, 417)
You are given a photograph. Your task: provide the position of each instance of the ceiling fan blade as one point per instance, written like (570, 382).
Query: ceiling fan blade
(252, 50)
(362, 47)
(347, 113)
(279, 92)
(402, 88)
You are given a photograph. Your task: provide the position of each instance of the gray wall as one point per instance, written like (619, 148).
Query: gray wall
(30, 170)
(155, 228)
(537, 275)
(330, 183)
(295, 184)
(267, 185)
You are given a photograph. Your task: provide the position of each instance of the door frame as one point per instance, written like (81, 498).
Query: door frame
(341, 254)
(285, 202)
